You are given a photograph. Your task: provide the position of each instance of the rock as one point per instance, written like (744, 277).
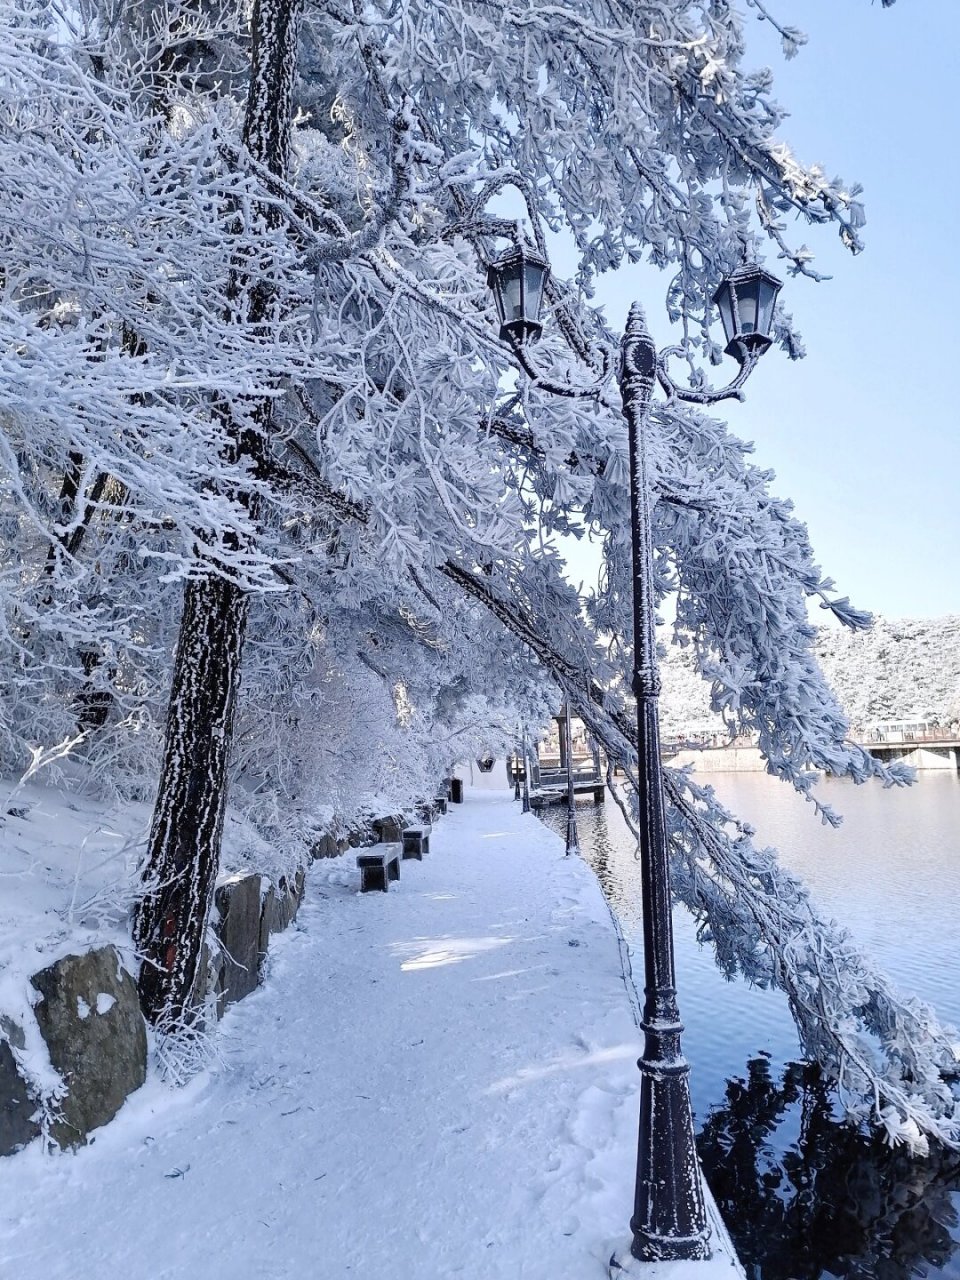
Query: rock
(280, 906)
(210, 981)
(17, 1126)
(270, 923)
(291, 895)
(90, 1018)
(238, 903)
(324, 847)
(389, 830)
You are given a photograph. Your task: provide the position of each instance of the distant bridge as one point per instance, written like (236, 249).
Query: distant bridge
(923, 749)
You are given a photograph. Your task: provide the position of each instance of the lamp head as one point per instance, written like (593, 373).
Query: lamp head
(518, 279)
(746, 300)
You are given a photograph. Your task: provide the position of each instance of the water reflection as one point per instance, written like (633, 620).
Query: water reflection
(806, 1196)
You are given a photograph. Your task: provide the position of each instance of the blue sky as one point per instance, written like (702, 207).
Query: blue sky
(863, 433)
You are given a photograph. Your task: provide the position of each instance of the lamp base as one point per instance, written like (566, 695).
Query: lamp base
(719, 1266)
(723, 1263)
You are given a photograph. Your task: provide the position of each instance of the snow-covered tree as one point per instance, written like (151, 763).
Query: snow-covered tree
(253, 357)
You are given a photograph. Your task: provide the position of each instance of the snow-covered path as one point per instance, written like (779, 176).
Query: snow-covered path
(439, 1081)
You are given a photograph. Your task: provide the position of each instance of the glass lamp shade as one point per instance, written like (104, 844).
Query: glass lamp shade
(518, 278)
(745, 301)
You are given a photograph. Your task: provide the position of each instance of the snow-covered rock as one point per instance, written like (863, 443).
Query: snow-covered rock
(238, 928)
(18, 1124)
(89, 1017)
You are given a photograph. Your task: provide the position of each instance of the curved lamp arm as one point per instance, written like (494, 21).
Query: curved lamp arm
(748, 357)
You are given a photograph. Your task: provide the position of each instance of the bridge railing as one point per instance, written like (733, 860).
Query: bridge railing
(553, 777)
(896, 736)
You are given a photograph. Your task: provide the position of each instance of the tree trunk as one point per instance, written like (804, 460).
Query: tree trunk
(184, 846)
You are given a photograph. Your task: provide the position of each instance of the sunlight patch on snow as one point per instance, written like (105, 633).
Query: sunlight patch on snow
(441, 951)
(562, 1064)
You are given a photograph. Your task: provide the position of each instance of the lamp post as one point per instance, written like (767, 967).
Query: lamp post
(573, 839)
(669, 1220)
(525, 806)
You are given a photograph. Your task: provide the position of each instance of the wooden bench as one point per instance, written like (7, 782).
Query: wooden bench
(378, 867)
(440, 804)
(416, 842)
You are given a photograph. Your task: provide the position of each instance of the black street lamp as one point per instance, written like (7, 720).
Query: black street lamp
(669, 1220)
(573, 839)
(525, 806)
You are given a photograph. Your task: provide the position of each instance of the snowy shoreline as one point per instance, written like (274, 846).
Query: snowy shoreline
(433, 1082)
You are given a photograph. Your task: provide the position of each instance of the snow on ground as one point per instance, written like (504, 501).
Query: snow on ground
(435, 1082)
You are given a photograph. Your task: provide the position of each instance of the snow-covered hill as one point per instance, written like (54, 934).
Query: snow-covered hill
(904, 667)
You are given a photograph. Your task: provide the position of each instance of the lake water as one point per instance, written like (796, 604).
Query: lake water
(804, 1195)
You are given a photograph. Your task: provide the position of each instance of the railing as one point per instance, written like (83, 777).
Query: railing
(716, 742)
(944, 737)
(552, 762)
(884, 737)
